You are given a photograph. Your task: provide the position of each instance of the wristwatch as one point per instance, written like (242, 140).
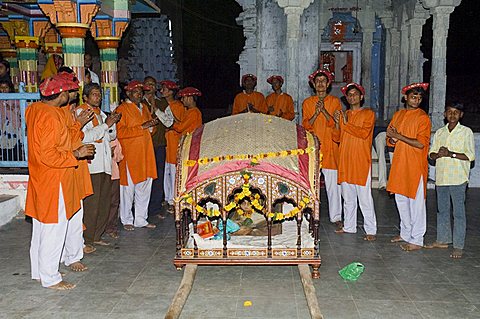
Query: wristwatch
(454, 155)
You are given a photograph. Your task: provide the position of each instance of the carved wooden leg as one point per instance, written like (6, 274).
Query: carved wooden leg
(179, 241)
(315, 272)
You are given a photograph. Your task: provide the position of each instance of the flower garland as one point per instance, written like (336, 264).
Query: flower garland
(254, 201)
(254, 158)
(188, 198)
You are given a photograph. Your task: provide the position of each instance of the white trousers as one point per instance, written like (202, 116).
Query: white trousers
(413, 216)
(169, 182)
(54, 243)
(334, 194)
(352, 193)
(138, 194)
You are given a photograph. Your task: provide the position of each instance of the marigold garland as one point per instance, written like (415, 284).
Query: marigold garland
(254, 201)
(254, 158)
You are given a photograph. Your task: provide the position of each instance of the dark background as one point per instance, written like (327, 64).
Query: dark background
(212, 42)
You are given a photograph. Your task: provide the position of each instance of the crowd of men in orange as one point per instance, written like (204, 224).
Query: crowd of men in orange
(79, 157)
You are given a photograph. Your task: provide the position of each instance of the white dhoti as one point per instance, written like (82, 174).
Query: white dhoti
(169, 182)
(413, 216)
(52, 243)
(334, 194)
(140, 195)
(352, 193)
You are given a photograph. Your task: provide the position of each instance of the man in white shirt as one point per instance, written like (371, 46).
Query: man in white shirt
(99, 132)
(88, 62)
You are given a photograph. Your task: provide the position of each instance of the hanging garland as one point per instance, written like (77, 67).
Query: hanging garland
(254, 200)
(254, 158)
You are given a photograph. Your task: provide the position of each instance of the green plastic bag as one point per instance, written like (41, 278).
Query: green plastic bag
(352, 272)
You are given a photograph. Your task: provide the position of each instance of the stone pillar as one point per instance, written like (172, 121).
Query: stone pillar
(293, 34)
(27, 53)
(404, 55)
(438, 78)
(248, 19)
(394, 89)
(293, 10)
(367, 21)
(367, 43)
(415, 59)
(109, 76)
(387, 22)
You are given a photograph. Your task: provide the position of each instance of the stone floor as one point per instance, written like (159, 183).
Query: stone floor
(135, 278)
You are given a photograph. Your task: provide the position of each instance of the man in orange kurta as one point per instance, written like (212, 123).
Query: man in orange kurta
(409, 132)
(193, 116)
(279, 103)
(174, 113)
(249, 100)
(74, 124)
(354, 133)
(53, 195)
(138, 168)
(317, 113)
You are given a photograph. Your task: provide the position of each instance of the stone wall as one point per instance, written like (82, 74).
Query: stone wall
(150, 50)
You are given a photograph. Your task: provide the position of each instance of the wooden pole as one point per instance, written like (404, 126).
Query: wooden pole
(309, 291)
(182, 293)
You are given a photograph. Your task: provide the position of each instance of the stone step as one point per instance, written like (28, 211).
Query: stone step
(9, 208)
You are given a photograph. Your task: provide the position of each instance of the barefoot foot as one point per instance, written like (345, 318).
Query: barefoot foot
(370, 238)
(88, 249)
(436, 244)
(410, 247)
(78, 267)
(396, 239)
(456, 253)
(63, 285)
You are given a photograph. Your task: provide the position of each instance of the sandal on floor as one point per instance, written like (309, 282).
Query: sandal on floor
(370, 238)
(128, 227)
(457, 253)
(150, 226)
(436, 244)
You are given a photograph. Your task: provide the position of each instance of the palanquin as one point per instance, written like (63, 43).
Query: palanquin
(268, 161)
